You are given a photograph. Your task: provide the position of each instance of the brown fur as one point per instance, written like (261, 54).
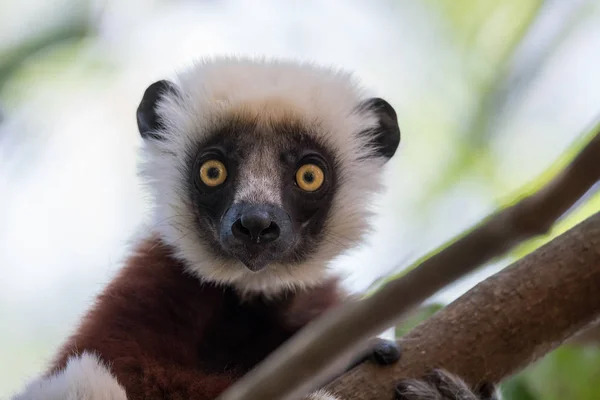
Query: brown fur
(162, 331)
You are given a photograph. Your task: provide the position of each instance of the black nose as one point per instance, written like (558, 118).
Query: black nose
(255, 226)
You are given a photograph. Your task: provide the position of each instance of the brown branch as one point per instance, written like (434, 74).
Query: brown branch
(502, 324)
(301, 362)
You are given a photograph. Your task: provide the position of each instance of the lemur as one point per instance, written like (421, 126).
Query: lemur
(262, 172)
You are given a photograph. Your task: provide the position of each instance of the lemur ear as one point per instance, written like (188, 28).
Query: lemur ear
(148, 120)
(386, 135)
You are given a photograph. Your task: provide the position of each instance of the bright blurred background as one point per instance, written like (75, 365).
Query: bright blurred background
(491, 95)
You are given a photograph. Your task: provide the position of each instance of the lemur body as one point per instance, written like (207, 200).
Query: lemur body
(262, 172)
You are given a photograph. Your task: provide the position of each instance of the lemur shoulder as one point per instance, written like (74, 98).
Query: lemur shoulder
(262, 172)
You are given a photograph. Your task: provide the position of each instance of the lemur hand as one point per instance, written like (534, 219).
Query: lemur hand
(436, 385)
(442, 385)
(381, 352)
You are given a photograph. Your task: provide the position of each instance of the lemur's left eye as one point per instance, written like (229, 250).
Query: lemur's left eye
(310, 177)
(213, 173)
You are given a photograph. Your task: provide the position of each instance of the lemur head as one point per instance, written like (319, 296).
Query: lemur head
(263, 171)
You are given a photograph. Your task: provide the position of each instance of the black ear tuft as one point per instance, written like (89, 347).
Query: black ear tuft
(386, 136)
(147, 119)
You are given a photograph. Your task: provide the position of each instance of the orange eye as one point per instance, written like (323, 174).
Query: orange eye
(213, 173)
(310, 177)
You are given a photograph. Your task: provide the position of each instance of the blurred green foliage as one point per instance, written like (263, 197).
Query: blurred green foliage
(488, 30)
(517, 388)
(490, 36)
(488, 33)
(569, 372)
(74, 25)
(12, 59)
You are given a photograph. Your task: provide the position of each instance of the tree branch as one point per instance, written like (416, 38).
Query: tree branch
(302, 361)
(502, 324)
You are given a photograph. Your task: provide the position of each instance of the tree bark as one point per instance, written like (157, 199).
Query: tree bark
(502, 324)
(322, 346)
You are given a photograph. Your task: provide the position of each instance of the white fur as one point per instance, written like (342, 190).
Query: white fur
(323, 99)
(322, 395)
(256, 183)
(84, 378)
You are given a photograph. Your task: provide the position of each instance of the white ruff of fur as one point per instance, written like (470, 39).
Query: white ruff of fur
(84, 378)
(266, 91)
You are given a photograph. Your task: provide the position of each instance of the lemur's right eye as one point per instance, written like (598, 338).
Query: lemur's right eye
(213, 173)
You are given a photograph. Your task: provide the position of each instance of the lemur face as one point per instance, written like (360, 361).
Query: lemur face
(265, 191)
(263, 172)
